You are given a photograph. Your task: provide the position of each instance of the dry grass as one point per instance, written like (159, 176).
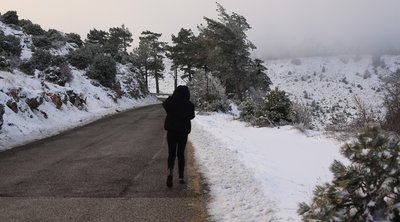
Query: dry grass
(195, 184)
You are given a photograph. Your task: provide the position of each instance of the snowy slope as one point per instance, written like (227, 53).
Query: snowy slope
(79, 102)
(28, 125)
(328, 85)
(262, 174)
(26, 40)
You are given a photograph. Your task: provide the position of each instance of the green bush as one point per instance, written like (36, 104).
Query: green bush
(41, 59)
(54, 35)
(103, 69)
(60, 74)
(4, 63)
(27, 67)
(208, 94)
(33, 29)
(10, 17)
(83, 57)
(41, 42)
(74, 38)
(274, 109)
(365, 190)
(58, 60)
(9, 45)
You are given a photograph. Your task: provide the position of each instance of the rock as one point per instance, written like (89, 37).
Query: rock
(1, 115)
(76, 99)
(34, 103)
(12, 105)
(14, 93)
(44, 114)
(56, 99)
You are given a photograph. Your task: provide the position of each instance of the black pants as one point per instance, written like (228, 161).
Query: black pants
(176, 147)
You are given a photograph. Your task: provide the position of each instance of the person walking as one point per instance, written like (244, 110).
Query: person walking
(177, 123)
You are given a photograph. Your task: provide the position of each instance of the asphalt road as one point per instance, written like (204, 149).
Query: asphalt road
(111, 170)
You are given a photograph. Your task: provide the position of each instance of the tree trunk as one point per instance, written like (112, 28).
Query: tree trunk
(207, 87)
(175, 78)
(157, 87)
(237, 81)
(147, 78)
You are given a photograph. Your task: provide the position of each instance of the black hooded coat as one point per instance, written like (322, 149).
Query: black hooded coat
(179, 111)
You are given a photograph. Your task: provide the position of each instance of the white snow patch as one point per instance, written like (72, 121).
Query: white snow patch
(259, 174)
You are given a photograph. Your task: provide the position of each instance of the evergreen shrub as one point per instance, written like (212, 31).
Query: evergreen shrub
(9, 45)
(103, 69)
(275, 108)
(368, 189)
(208, 94)
(10, 17)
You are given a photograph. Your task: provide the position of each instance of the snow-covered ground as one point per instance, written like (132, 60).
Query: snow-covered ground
(328, 85)
(23, 124)
(259, 174)
(28, 125)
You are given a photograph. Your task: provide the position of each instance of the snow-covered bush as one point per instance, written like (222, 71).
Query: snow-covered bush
(74, 38)
(366, 190)
(30, 28)
(10, 17)
(364, 116)
(208, 94)
(275, 109)
(58, 74)
(296, 61)
(83, 57)
(392, 103)
(41, 59)
(104, 70)
(26, 66)
(41, 42)
(4, 63)
(9, 45)
(302, 117)
(55, 38)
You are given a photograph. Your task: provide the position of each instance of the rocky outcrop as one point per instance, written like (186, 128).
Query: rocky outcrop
(76, 99)
(34, 103)
(12, 105)
(56, 99)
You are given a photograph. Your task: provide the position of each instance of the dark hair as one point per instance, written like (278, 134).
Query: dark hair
(181, 92)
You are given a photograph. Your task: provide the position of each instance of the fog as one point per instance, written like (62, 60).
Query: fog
(279, 27)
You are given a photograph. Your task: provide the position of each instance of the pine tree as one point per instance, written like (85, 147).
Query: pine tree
(119, 39)
(141, 59)
(97, 37)
(366, 190)
(149, 56)
(181, 52)
(229, 49)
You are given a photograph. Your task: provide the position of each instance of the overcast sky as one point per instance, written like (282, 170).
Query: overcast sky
(278, 25)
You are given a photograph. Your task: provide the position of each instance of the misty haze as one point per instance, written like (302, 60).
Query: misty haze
(187, 110)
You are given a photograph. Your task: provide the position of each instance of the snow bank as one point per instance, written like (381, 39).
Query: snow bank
(259, 174)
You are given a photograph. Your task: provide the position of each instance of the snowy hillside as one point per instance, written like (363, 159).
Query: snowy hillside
(36, 108)
(328, 85)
